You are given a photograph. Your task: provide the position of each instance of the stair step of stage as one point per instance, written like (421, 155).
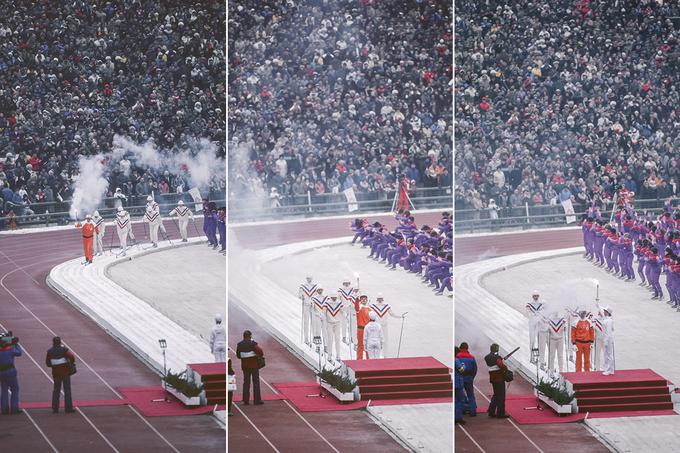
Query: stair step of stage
(624, 399)
(626, 407)
(402, 378)
(415, 387)
(213, 376)
(621, 391)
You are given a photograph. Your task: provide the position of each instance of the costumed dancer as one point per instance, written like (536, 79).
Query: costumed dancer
(383, 311)
(183, 215)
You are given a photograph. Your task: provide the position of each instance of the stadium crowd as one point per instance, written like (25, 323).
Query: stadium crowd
(330, 95)
(425, 251)
(568, 94)
(73, 74)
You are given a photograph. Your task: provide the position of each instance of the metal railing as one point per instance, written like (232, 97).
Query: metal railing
(539, 216)
(311, 205)
(42, 214)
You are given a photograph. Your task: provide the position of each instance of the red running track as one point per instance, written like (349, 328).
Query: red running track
(35, 313)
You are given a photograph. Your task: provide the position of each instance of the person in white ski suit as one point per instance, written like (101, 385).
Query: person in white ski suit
(534, 311)
(118, 198)
(383, 312)
(598, 349)
(318, 308)
(305, 293)
(152, 216)
(218, 340)
(346, 294)
(608, 343)
(558, 330)
(335, 323)
(124, 228)
(183, 215)
(543, 338)
(373, 338)
(99, 233)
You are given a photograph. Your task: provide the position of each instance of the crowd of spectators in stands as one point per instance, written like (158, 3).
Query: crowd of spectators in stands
(330, 95)
(581, 95)
(73, 74)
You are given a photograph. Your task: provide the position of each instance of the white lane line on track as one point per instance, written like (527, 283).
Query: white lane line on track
(512, 423)
(256, 428)
(97, 429)
(54, 449)
(2, 283)
(297, 413)
(471, 438)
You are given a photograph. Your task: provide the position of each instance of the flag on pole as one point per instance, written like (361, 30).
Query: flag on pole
(351, 199)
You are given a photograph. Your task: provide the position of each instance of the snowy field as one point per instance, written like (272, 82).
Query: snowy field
(187, 284)
(427, 326)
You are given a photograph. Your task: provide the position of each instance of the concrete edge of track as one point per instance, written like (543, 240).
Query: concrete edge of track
(110, 223)
(517, 230)
(101, 289)
(357, 214)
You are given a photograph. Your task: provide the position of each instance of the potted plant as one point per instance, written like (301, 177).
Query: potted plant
(555, 395)
(337, 384)
(185, 390)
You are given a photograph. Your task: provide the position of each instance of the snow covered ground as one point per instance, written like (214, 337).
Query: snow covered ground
(265, 284)
(129, 317)
(490, 297)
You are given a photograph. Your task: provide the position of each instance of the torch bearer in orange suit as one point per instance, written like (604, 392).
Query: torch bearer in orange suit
(88, 229)
(362, 319)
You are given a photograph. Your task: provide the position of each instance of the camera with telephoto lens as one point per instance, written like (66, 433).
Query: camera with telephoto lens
(7, 339)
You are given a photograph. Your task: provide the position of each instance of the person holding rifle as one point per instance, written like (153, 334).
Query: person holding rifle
(497, 370)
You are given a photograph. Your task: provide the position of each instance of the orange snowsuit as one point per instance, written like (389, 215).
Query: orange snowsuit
(362, 320)
(88, 230)
(582, 335)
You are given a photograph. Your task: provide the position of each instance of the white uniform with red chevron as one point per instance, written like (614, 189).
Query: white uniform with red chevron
(183, 215)
(305, 293)
(335, 314)
(598, 350)
(99, 234)
(124, 229)
(534, 310)
(382, 314)
(346, 295)
(558, 329)
(152, 216)
(318, 307)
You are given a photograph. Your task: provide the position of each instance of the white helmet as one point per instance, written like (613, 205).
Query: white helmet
(180, 203)
(535, 293)
(88, 216)
(120, 209)
(218, 318)
(117, 189)
(371, 316)
(379, 296)
(149, 198)
(346, 280)
(607, 309)
(96, 213)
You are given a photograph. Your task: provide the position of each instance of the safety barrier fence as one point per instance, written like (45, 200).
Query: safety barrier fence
(539, 216)
(42, 214)
(311, 205)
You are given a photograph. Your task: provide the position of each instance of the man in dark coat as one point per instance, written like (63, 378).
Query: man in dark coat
(497, 371)
(249, 351)
(59, 358)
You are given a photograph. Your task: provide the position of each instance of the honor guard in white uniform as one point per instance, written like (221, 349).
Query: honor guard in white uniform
(335, 322)
(305, 293)
(152, 216)
(373, 338)
(318, 309)
(183, 215)
(598, 349)
(608, 343)
(534, 311)
(383, 311)
(558, 331)
(346, 294)
(124, 228)
(99, 232)
(218, 340)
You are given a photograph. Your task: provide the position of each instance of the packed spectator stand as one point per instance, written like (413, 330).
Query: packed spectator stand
(74, 74)
(330, 95)
(425, 251)
(568, 94)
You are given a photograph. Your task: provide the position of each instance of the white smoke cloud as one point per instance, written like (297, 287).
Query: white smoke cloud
(199, 164)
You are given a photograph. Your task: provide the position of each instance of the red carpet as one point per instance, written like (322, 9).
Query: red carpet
(626, 390)
(265, 396)
(76, 403)
(515, 404)
(140, 398)
(296, 393)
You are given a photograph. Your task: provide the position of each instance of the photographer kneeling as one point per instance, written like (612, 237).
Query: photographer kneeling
(9, 348)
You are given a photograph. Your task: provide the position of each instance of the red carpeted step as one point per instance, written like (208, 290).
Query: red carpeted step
(619, 384)
(415, 388)
(626, 407)
(407, 395)
(212, 401)
(401, 372)
(620, 391)
(624, 399)
(409, 379)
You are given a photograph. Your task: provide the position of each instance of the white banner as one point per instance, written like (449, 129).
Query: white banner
(569, 209)
(351, 199)
(196, 195)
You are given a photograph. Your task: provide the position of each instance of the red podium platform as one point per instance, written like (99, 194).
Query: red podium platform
(213, 376)
(403, 378)
(626, 390)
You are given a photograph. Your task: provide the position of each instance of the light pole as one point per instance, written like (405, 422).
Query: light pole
(317, 341)
(164, 345)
